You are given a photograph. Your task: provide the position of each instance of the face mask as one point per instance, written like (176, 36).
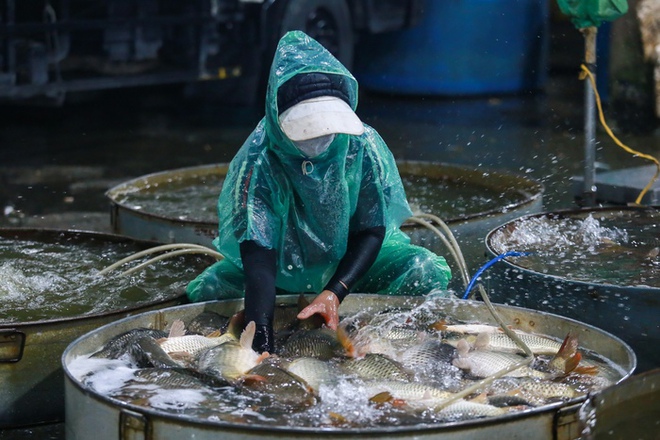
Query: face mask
(313, 147)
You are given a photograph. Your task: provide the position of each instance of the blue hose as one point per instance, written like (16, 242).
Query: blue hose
(490, 263)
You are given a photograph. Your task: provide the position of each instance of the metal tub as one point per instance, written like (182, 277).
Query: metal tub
(31, 376)
(629, 312)
(468, 223)
(630, 409)
(91, 415)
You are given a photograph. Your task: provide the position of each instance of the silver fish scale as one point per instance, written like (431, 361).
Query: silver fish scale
(538, 344)
(192, 344)
(375, 366)
(464, 409)
(313, 371)
(409, 391)
(484, 363)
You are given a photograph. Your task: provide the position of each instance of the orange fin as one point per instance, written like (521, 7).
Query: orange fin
(439, 325)
(252, 379)
(593, 370)
(214, 334)
(346, 342)
(262, 356)
(383, 397)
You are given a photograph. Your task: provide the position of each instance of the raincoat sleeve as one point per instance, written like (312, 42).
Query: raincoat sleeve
(246, 203)
(382, 198)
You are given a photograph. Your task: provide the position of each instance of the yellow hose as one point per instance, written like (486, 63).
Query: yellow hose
(586, 73)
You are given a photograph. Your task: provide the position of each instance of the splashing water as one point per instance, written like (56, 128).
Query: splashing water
(619, 250)
(43, 280)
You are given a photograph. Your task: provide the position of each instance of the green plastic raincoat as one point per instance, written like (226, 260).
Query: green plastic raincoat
(305, 208)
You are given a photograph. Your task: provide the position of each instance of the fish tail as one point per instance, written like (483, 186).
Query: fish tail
(236, 323)
(572, 363)
(346, 343)
(592, 371)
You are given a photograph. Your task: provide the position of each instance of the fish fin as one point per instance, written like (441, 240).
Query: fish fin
(592, 370)
(262, 356)
(214, 334)
(567, 358)
(439, 325)
(481, 398)
(383, 397)
(346, 342)
(178, 329)
(248, 335)
(180, 355)
(569, 347)
(572, 363)
(236, 323)
(336, 418)
(463, 364)
(252, 379)
(386, 397)
(463, 347)
(482, 340)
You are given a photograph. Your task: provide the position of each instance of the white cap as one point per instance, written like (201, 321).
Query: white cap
(318, 117)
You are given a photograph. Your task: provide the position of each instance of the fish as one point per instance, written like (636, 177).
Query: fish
(431, 361)
(485, 363)
(284, 386)
(406, 391)
(149, 382)
(322, 343)
(466, 328)
(502, 342)
(388, 340)
(207, 322)
(186, 348)
(174, 378)
(467, 410)
(232, 359)
(376, 366)
(568, 358)
(314, 372)
(126, 345)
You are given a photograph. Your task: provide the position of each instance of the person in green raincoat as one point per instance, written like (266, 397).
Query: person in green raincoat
(313, 202)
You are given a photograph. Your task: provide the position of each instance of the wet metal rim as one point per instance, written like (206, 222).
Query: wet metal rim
(558, 215)
(531, 190)
(511, 283)
(54, 234)
(511, 424)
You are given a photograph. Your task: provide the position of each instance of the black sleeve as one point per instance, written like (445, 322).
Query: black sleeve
(259, 266)
(361, 252)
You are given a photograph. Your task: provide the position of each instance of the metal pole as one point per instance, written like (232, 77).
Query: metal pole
(589, 193)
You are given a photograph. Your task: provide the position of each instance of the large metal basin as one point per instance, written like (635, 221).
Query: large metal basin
(470, 201)
(630, 409)
(31, 377)
(92, 415)
(627, 311)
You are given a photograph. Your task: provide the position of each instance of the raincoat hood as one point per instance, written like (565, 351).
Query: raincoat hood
(297, 53)
(306, 208)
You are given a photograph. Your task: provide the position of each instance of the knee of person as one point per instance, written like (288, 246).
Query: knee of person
(429, 271)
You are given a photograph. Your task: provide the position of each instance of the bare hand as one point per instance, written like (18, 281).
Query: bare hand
(325, 304)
